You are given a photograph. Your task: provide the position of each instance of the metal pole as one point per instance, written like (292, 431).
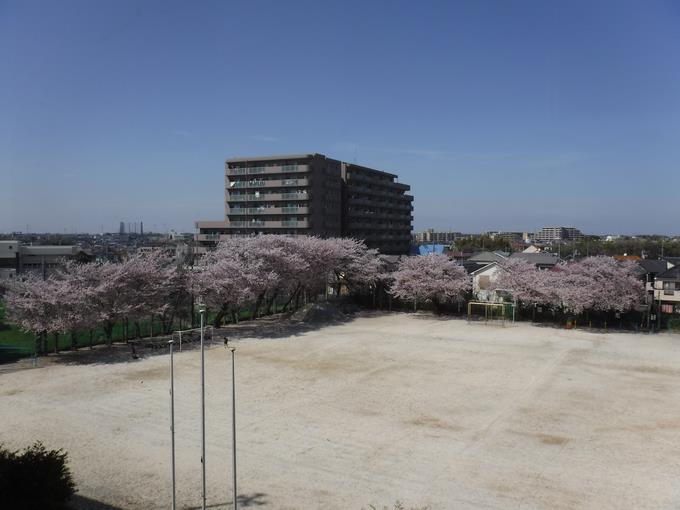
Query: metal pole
(202, 311)
(172, 418)
(233, 423)
(180, 340)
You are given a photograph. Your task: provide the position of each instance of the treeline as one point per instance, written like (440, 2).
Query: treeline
(270, 273)
(599, 284)
(255, 273)
(651, 248)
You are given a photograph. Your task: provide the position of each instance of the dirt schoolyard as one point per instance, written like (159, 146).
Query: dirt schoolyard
(433, 412)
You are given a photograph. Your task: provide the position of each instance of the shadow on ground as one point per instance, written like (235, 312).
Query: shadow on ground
(79, 502)
(244, 501)
(266, 328)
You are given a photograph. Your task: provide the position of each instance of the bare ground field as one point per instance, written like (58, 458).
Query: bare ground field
(428, 411)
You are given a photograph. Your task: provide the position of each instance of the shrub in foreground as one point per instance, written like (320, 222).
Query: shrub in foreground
(34, 479)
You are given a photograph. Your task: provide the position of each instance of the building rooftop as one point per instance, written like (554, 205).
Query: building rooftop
(653, 266)
(303, 156)
(275, 157)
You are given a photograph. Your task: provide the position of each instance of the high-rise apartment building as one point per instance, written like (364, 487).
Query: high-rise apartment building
(310, 194)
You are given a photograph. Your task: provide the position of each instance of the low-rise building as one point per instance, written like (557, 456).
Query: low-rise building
(430, 236)
(17, 258)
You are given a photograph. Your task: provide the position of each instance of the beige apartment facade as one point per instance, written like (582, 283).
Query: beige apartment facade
(311, 194)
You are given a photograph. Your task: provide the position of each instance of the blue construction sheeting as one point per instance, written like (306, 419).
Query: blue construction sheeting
(425, 249)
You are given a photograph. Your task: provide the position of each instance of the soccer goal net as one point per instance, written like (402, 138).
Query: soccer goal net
(192, 336)
(484, 311)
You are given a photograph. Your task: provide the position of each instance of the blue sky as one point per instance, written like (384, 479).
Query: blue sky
(501, 115)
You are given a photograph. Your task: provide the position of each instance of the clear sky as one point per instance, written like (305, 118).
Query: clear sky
(501, 115)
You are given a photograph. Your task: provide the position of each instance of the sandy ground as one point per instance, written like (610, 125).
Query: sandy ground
(410, 407)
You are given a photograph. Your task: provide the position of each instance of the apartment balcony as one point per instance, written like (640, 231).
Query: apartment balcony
(383, 204)
(380, 215)
(271, 183)
(266, 197)
(257, 224)
(268, 170)
(359, 180)
(380, 194)
(235, 211)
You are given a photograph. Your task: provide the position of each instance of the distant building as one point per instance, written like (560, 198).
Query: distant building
(310, 194)
(506, 236)
(430, 236)
(16, 258)
(549, 234)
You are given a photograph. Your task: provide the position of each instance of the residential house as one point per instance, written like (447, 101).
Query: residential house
(667, 290)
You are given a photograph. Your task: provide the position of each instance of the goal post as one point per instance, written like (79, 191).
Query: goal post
(489, 311)
(190, 335)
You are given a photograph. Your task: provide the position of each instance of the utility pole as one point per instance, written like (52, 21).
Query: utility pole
(172, 419)
(233, 420)
(201, 311)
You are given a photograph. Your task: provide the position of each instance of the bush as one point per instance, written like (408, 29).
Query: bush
(34, 479)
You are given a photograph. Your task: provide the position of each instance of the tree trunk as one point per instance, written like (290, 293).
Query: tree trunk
(270, 305)
(91, 334)
(290, 299)
(219, 317)
(38, 346)
(108, 331)
(74, 342)
(193, 312)
(256, 306)
(56, 343)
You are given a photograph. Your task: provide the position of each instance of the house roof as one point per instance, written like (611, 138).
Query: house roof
(484, 268)
(489, 256)
(471, 266)
(672, 274)
(622, 258)
(538, 259)
(653, 266)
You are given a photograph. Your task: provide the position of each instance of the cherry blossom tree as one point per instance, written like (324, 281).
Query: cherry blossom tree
(434, 278)
(527, 284)
(32, 303)
(597, 283)
(230, 277)
(352, 264)
(257, 270)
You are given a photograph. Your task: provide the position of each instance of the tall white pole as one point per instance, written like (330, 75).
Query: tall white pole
(172, 419)
(233, 424)
(202, 312)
